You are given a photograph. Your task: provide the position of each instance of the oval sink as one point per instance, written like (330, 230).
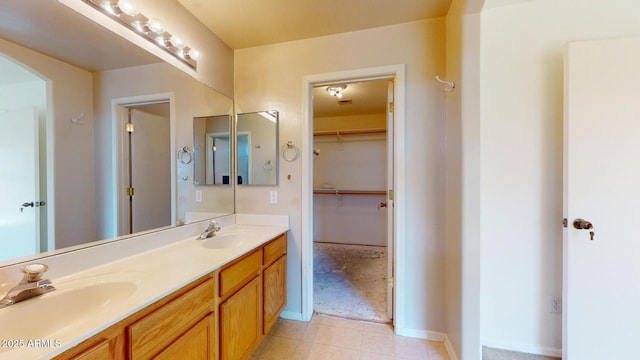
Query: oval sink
(228, 240)
(71, 303)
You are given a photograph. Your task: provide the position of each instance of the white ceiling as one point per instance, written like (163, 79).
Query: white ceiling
(248, 23)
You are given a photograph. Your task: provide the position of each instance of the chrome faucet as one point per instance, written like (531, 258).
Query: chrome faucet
(31, 285)
(210, 231)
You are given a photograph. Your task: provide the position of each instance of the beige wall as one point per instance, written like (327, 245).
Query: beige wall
(521, 159)
(271, 77)
(73, 145)
(192, 99)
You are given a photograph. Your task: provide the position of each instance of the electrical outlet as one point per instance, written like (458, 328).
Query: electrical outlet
(555, 305)
(198, 196)
(273, 198)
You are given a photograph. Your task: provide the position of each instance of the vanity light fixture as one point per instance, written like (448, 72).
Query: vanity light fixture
(336, 90)
(151, 29)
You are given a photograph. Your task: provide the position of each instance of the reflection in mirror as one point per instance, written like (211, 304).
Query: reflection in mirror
(257, 148)
(212, 150)
(72, 71)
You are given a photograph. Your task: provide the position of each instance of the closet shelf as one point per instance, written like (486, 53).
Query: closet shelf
(348, 192)
(350, 132)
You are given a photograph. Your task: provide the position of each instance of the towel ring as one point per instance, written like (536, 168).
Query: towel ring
(268, 166)
(287, 149)
(184, 155)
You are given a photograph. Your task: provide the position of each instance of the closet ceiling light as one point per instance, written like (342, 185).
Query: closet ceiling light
(151, 29)
(336, 90)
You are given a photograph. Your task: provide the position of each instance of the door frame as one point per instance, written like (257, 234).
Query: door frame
(397, 73)
(118, 121)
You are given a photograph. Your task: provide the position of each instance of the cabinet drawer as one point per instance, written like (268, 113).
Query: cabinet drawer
(233, 276)
(155, 331)
(275, 249)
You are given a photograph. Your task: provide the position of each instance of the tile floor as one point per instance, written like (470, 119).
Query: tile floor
(330, 338)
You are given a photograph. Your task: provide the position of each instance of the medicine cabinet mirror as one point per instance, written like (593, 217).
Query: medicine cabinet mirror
(257, 148)
(212, 150)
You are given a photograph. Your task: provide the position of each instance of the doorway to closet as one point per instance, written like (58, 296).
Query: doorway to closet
(352, 172)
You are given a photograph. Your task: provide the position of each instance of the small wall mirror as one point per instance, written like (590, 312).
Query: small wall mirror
(257, 148)
(212, 150)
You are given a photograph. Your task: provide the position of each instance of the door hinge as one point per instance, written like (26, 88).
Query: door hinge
(391, 106)
(390, 194)
(129, 191)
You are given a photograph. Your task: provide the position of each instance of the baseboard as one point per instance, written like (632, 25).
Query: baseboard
(290, 315)
(524, 348)
(430, 335)
(450, 350)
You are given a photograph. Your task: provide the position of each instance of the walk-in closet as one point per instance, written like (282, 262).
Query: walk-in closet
(350, 172)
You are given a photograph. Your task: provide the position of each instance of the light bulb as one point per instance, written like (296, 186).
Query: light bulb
(155, 26)
(126, 7)
(140, 26)
(194, 54)
(176, 42)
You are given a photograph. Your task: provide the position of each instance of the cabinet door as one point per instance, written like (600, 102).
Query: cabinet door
(154, 332)
(241, 322)
(195, 344)
(100, 351)
(275, 291)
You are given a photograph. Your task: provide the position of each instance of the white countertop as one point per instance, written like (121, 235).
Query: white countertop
(156, 273)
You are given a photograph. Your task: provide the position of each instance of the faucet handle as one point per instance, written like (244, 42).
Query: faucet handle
(34, 272)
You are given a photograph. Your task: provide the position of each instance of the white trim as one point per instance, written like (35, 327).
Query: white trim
(51, 162)
(308, 82)
(117, 128)
(290, 315)
(433, 336)
(524, 348)
(450, 349)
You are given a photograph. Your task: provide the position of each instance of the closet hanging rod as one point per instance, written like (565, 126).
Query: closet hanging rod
(350, 132)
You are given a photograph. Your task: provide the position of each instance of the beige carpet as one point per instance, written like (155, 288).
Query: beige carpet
(350, 281)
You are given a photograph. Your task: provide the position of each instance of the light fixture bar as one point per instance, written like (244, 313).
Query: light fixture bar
(150, 29)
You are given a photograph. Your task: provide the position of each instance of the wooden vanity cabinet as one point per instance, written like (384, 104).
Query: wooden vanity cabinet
(181, 325)
(240, 307)
(274, 281)
(252, 296)
(224, 315)
(176, 321)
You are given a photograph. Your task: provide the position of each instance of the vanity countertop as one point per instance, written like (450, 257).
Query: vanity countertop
(146, 278)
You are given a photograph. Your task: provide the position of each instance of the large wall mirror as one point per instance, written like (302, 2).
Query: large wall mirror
(71, 88)
(257, 148)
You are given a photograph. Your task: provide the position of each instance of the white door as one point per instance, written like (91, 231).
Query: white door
(19, 175)
(150, 171)
(601, 287)
(218, 158)
(390, 205)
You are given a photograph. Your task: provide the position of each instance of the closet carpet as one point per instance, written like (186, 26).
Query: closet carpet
(350, 281)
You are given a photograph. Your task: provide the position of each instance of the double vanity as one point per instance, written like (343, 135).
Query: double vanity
(163, 294)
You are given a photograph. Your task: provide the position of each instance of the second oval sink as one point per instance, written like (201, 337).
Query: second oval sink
(225, 241)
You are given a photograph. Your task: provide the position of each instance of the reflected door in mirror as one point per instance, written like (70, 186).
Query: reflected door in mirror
(257, 148)
(212, 150)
